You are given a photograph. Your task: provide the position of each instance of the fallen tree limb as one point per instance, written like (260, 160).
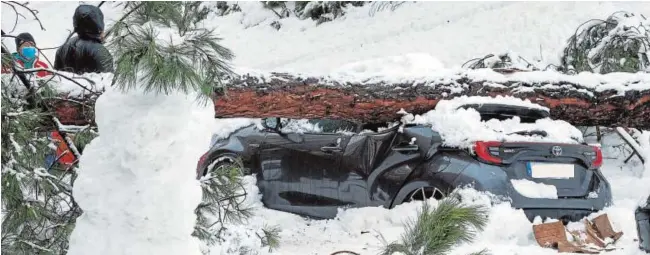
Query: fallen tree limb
(583, 100)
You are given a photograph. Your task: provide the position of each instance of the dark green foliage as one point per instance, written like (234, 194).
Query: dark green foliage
(39, 212)
(323, 11)
(159, 47)
(223, 8)
(319, 11)
(436, 231)
(84, 137)
(506, 61)
(223, 198)
(619, 44)
(270, 237)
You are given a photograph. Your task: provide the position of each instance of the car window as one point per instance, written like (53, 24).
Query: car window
(317, 126)
(335, 126)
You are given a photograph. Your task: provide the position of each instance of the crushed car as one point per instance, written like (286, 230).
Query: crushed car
(314, 172)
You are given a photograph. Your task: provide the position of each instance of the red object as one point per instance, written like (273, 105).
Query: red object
(598, 161)
(63, 153)
(37, 64)
(482, 151)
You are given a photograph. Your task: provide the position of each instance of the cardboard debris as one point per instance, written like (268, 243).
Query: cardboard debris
(597, 236)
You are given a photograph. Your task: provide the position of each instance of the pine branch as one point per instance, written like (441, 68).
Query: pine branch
(436, 231)
(38, 202)
(162, 50)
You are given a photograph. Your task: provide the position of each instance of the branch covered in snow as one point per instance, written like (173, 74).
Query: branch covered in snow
(619, 44)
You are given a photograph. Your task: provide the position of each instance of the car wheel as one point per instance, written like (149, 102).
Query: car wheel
(227, 162)
(424, 193)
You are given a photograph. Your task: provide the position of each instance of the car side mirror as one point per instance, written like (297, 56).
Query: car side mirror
(271, 123)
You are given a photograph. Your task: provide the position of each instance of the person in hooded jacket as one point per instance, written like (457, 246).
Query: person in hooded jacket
(85, 52)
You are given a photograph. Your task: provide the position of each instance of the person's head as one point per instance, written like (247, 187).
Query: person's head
(26, 46)
(88, 22)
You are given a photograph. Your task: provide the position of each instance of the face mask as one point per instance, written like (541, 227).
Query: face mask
(29, 52)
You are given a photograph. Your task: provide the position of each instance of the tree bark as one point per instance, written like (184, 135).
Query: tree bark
(289, 96)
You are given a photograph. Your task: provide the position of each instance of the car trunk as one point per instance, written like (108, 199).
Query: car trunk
(568, 167)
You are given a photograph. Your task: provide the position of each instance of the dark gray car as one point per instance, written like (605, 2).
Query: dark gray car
(315, 173)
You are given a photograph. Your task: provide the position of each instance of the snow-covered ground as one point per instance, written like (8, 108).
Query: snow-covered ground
(418, 38)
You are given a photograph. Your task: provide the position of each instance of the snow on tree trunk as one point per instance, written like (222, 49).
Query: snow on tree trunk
(136, 181)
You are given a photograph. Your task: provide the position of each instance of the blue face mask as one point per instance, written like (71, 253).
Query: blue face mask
(28, 53)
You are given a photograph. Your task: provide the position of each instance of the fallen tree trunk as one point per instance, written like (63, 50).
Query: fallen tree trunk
(599, 100)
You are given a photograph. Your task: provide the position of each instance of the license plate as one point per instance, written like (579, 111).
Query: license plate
(550, 170)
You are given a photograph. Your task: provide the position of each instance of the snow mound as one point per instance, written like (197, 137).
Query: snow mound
(462, 127)
(136, 183)
(533, 189)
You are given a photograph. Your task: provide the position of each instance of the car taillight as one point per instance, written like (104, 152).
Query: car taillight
(488, 151)
(598, 158)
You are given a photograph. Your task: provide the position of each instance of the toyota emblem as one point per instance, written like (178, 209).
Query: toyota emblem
(556, 150)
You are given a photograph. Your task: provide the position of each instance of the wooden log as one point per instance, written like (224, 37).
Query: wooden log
(290, 96)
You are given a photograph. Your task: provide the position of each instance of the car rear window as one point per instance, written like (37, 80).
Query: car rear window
(503, 112)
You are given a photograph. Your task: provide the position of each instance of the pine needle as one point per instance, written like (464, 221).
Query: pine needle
(438, 230)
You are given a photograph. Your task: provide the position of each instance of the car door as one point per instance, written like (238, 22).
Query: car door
(300, 171)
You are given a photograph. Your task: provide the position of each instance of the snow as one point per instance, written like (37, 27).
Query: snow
(463, 127)
(533, 189)
(408, 65)
(136, 183)
(453, 32)
(423, 36)
(225, 127)
(451, 105)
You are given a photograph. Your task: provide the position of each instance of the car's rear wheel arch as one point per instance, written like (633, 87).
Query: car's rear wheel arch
(222, 158)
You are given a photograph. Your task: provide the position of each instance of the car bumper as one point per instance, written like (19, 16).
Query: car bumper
(494, 180)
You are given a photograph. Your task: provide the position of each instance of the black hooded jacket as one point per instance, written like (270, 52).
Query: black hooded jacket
(85, 53)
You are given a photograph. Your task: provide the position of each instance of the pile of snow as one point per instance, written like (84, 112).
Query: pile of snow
(225, 127)
(463, 127)
(136, 182)
(533, 189)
